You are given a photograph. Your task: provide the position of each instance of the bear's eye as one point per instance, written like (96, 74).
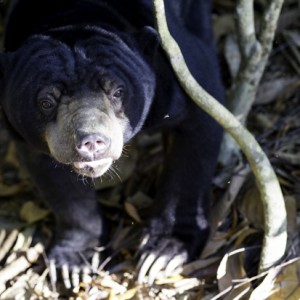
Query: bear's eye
(47, 104)
(118, 93)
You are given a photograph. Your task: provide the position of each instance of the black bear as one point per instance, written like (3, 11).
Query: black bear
(79, 79)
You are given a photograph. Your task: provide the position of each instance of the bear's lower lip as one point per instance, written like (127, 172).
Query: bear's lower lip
(101, 163)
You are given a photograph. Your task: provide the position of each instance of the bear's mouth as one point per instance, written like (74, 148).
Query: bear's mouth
(94, 168)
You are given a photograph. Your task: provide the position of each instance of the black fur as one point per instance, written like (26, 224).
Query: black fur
(80, 52)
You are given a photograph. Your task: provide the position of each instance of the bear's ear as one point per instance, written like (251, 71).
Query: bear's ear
(148, 40)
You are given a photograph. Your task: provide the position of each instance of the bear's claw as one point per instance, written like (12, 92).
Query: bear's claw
(167, 257)
(71, 276)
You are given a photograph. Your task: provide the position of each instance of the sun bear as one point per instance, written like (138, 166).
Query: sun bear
(79, 79)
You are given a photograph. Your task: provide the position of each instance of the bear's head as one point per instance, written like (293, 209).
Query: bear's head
(78, 100)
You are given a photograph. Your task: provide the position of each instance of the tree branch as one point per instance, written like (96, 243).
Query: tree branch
(255, 53)
(274, 207)
(245, 26)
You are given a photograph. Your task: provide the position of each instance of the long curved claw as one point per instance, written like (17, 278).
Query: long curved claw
(86, 275)
(141, 260)
(148, 261)
(95, 262)
(157, 266)
(66, 276)
(70, 277)
(175, 263)
(75, 276)
(52, 273)
(169, 255)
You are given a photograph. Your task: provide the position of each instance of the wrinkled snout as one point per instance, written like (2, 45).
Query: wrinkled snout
(93, 152)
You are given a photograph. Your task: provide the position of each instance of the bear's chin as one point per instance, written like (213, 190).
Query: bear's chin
(95, 168)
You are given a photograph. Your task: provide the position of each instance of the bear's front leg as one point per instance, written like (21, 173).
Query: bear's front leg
(79, 225)
(179, 229)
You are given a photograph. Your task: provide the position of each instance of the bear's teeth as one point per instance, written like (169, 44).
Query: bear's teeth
(92, 164)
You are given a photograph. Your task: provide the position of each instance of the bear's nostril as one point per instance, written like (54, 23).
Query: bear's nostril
(89, 145)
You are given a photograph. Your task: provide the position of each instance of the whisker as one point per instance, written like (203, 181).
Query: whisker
(126, 150)
(83, 179)
(93, 181)
(115, 172)
(110, 174)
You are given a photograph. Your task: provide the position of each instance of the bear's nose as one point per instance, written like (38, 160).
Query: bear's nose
(92, 146)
